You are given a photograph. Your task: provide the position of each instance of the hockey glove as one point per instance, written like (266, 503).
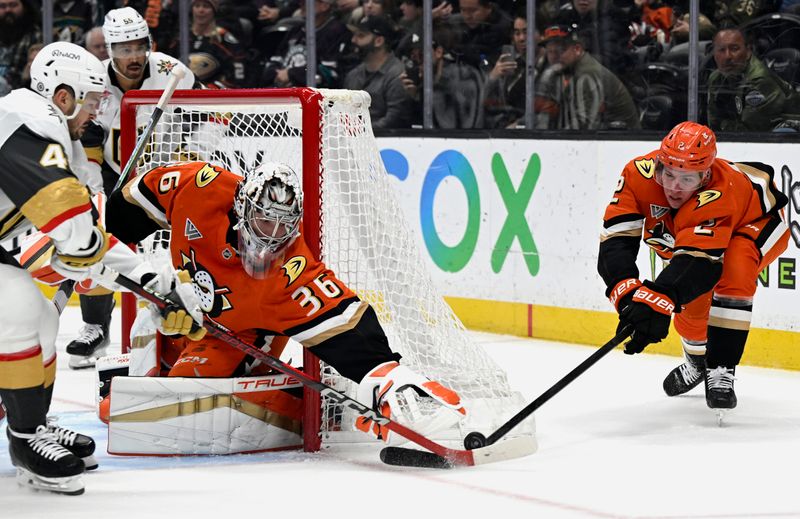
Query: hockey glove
(184, 316)
(85, 263)
(649, 312)
(620, 296)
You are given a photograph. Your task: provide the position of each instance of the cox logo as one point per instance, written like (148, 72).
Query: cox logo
(452, 163)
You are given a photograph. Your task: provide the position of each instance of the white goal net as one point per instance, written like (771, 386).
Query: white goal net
(362, 233)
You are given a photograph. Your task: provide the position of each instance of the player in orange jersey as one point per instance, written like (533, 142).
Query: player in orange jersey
(240, 239)
(718, 224)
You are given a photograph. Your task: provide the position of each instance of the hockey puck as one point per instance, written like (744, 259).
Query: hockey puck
(474, 440)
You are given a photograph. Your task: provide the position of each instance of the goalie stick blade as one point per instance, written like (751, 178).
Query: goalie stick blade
(501, 451)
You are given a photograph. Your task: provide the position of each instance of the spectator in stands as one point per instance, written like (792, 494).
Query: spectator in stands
(96, 43)
(384, 8)
(18, 31)
(504, 94)
(743, 94)
(288, 66)
(379, 73)
(33, 50)
(591, 96)
(679, 33)
(161, 17)
(604, 30)
(72, 19)
(410, 19)
(738, 12)
(484, 28)
(215, 55)
(457, 86)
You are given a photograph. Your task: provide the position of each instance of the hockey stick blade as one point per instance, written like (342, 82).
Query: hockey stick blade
(505, 450)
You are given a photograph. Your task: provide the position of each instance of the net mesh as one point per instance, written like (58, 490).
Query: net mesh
(364, 238)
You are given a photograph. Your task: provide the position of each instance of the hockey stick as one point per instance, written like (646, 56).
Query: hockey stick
(439, 457)
(63, 294)
(176, 75)
(477, 441)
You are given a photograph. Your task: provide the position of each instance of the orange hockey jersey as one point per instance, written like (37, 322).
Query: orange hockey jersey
(300, 297)
(735, 201)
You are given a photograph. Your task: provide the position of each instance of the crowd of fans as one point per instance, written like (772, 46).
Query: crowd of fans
(600, 64)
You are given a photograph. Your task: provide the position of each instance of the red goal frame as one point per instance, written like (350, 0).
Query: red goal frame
(310, 101)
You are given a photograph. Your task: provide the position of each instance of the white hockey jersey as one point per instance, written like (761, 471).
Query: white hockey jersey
(38, 158)
(156, 76)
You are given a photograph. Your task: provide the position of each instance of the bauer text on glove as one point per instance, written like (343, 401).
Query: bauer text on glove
(649, 312)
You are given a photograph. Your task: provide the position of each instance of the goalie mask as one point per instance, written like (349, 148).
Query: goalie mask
(268, 205)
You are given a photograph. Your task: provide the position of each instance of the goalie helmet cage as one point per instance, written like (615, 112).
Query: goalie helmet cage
(352, 221)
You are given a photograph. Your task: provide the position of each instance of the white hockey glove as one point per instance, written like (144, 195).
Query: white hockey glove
(185, 316)
(85, 263)
(409, 399)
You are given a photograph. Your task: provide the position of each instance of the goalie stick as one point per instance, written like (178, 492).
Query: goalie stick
(439, 457)
(175, 76)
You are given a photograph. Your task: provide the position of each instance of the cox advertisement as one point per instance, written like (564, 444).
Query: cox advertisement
(518, 221)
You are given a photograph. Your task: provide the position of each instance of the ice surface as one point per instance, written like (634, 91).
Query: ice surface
(611, 446)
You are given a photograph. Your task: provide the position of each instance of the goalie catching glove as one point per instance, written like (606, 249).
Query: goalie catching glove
(410, 399)
(184, 316)
(650, 312)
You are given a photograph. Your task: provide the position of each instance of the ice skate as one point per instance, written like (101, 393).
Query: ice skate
(78, 444)
(720, 395)
(685, 377)
(43, 464)
(91, 344)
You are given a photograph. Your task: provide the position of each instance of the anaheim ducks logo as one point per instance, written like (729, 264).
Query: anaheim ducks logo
(213, 300)
(206, 174)
(660, 238)
(706, 197)
(293, 268)
(645, 167)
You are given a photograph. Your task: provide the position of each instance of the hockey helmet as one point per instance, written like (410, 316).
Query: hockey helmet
(689, 146)
(64, 63)
(126, 26)
(268, 205)
(685, 157)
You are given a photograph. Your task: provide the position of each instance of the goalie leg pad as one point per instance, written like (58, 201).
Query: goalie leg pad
(410, 399)
(204, 416)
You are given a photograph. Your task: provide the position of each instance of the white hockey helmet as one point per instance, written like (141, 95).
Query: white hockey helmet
(124, 24)
(64, 63)
(268, 205)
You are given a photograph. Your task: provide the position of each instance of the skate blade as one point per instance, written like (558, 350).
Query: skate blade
(70, 486)
(720, 416)
(80, 362)
(90, 462)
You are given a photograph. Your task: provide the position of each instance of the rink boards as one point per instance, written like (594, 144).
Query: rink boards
(509, 229)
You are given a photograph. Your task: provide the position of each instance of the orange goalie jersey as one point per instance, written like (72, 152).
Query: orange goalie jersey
(739, 198)
(299, 297)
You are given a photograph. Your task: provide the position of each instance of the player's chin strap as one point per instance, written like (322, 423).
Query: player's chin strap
(439, 455)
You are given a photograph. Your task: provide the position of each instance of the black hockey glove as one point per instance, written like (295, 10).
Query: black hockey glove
(649, 312)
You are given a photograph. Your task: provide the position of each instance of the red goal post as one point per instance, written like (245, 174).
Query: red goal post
(352, 221)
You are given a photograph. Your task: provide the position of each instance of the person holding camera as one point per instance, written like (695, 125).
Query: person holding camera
(457, 86)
